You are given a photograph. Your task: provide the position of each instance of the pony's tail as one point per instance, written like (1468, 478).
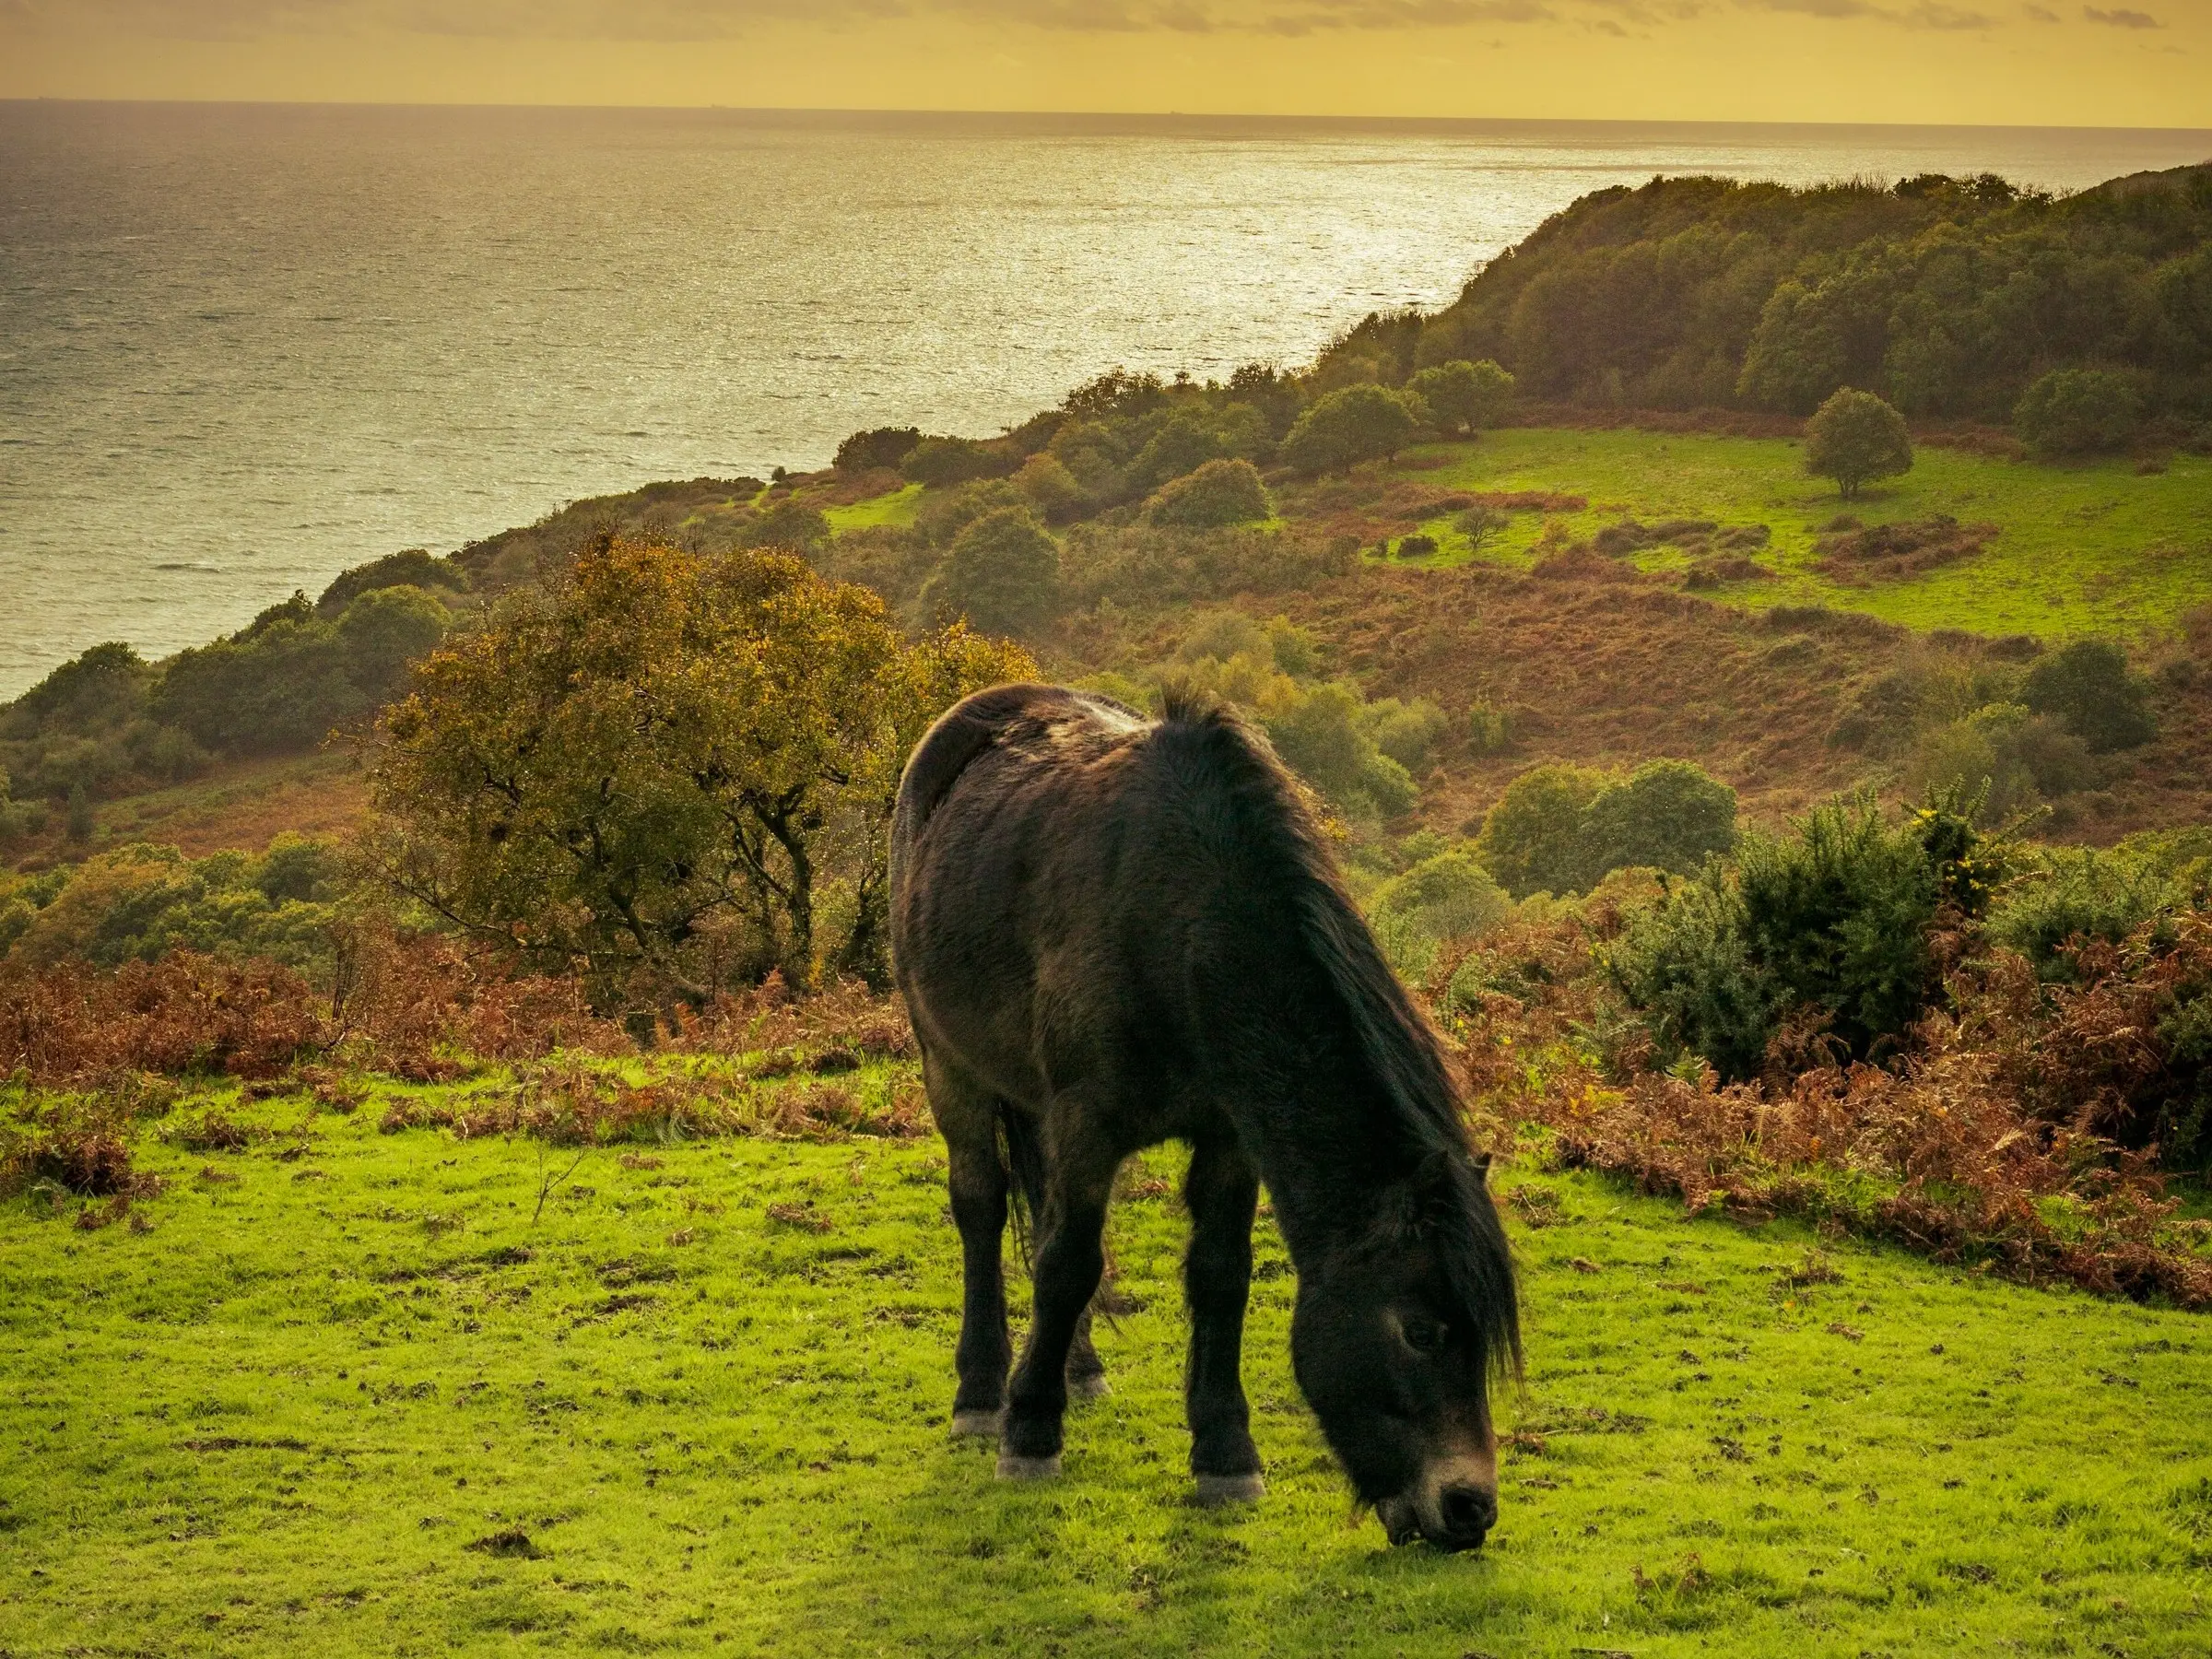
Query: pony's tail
(1022, 1153)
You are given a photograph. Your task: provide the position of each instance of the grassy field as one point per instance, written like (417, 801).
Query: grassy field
(897, 508)
(2094, 548)
(350, 1394)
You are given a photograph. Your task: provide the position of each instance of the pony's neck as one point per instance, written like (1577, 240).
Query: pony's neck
(1328, 1154)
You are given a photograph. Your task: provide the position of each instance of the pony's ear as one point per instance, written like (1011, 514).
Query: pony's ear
(1482, 1165)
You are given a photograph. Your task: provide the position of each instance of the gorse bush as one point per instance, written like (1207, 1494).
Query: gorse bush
(2071, 896)
(1827, 926)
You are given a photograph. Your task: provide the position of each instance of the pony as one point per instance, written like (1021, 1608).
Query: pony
(1113, 932)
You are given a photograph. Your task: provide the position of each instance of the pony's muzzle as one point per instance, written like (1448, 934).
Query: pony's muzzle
(1453, 1506)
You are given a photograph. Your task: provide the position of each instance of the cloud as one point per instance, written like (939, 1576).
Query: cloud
(2121, 17)
(2038, 14)
(1928, 14)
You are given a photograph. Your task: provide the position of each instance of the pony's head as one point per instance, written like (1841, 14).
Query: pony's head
(1396, 1340)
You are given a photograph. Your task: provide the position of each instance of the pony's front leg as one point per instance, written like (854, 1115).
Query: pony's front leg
(1223, 1192)
(1070, 1259)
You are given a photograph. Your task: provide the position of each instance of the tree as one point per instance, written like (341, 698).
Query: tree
(1856, 437)
(1667, 815)
(1481, 525)
(1465, 397)
(657, 767)
(385, 630)
(1363, 422)
(2077, 412)
(2087, 686)
(1047, 485)
(1003, 573)
(883, 446)
(1185, 441)
(1531, 838)
(414, 568)
(792, 526)
(1220, 493)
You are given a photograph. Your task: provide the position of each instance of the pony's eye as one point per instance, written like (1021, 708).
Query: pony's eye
(1425, 1336)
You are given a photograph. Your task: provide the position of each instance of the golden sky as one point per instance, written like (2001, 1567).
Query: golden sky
(2000, 61)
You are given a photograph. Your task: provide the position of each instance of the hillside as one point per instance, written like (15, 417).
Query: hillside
(1947, 296)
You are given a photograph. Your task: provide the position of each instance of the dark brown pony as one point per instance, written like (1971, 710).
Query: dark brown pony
(1113, 933)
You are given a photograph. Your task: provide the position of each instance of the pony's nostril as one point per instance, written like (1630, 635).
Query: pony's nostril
(1468, 1513)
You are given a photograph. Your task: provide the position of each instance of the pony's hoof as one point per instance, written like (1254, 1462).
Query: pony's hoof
(1014, 1468)
(977, 1425)
(1214, 1491)
(1091, 1387)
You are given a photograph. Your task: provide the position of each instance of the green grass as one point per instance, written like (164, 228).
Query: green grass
(277, 1421)
(897, 506)
(2095, 548)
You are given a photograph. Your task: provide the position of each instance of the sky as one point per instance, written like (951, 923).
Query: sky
(2038, 63)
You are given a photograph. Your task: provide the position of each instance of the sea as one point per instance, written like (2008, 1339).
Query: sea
(245, 346)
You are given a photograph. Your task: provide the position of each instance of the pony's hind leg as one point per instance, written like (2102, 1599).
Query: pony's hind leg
(968, 1118)
(1069, 1261)
(1223, 1193)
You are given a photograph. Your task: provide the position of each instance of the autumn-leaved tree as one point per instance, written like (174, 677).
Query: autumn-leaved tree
(668, 769)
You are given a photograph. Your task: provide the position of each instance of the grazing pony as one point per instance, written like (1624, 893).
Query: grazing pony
(1112, 933)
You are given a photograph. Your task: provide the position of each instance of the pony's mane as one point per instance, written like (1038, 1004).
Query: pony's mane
(1400, 1047)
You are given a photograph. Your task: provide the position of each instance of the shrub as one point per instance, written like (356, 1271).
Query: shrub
(2078, 894)
(1489, 728)
(944, 513)
(2087, 686)
(1407, 732)
(1363, 422)
(140, 903)
(790, 524)
(1320, 733)
(101, 689)
(1003, 573)
(1185, 441)
(1416, 547)
(1465, 397)
(2077, 412)
(882, 446)
(1856, 437)
(1830, 924)
(384, 630)
(1446, 896)
(1217, 494)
